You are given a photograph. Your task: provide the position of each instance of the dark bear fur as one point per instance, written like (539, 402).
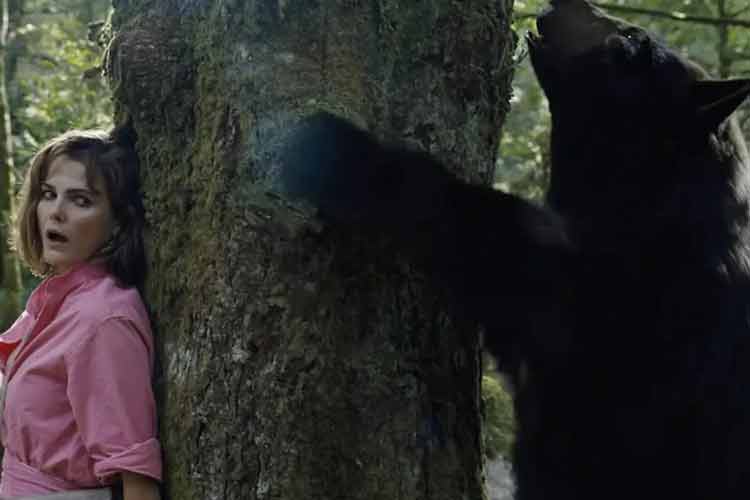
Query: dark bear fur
(622, 310)
(356, 181)
(652, 182)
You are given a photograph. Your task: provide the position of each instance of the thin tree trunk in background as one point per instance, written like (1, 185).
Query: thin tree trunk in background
(10, 279)
(299, 363)
(722, 47)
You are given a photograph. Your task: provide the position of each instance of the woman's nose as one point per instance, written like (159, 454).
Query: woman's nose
(57, 212)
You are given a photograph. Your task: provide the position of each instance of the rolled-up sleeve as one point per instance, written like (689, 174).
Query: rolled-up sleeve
(110, 392)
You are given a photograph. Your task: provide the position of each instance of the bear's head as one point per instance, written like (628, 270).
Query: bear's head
(634, 125)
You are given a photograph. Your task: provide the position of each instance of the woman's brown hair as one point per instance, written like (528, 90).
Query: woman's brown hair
(111, 156)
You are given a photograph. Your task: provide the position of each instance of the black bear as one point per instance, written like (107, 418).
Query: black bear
(628, 323)
(652, 182)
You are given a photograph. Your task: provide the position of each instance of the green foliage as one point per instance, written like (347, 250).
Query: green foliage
(57, 85)
(522, 163)
(499, 423)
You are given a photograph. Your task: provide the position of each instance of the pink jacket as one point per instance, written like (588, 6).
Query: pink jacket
(79, 406)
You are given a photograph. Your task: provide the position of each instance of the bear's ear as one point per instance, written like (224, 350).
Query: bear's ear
(715, 100)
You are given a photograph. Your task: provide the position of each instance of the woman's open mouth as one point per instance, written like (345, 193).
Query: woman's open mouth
(54, 236)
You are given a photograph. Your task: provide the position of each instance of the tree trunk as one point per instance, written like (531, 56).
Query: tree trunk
(296, 362)
(10, 272)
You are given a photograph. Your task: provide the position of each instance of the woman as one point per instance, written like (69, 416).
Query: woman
(79, 409)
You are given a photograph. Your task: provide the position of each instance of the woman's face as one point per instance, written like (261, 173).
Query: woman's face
(75, 219)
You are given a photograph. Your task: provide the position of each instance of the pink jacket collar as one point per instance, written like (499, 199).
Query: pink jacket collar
(48, 296)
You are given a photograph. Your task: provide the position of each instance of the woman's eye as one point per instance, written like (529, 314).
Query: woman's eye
(48, 194)
(81, 201)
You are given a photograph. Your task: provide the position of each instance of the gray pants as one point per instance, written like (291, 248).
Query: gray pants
(96, 494)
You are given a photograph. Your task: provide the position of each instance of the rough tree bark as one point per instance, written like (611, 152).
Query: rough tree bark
(10, 271)
(298, 363)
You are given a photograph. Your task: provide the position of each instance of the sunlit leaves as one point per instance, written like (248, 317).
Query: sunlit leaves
(49, 92)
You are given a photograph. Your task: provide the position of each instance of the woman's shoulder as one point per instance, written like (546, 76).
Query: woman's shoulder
(103, 298)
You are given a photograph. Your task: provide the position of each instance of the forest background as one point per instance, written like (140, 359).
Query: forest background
(50, 81)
